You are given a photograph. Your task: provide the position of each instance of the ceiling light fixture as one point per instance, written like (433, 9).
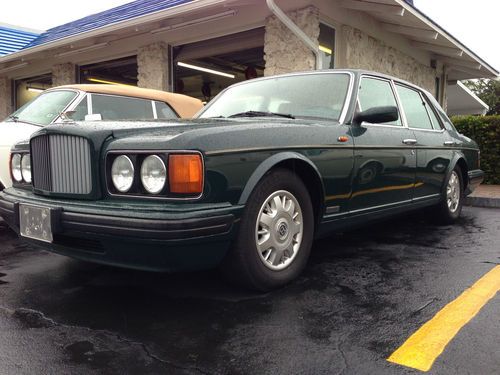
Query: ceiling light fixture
(34, 89)
(206, 70)
(325, 49)
(84, 49)
(197, 21)
(13, 67)
(98, 80)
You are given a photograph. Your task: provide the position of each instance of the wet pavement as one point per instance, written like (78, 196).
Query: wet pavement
(362, 295)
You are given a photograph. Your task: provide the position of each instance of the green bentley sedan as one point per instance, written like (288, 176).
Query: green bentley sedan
(265, 168)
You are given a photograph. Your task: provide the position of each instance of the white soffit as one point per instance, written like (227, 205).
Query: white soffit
(462, 101)
(399, 17)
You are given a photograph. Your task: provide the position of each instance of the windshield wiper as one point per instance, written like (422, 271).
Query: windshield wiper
(261, 114)
(13, 118)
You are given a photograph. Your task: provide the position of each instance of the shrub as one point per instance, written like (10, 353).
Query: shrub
(486, 132)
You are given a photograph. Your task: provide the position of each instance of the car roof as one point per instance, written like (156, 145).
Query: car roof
(185, 106)
(355, 72)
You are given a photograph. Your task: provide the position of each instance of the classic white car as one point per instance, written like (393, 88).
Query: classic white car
(89, 102)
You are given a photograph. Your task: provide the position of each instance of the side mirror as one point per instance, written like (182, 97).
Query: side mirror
(376, 115)
(94, 117)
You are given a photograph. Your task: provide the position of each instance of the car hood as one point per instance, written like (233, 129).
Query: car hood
(13, 132)
(199, 134)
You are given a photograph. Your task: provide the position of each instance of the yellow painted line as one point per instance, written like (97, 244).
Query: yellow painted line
(425, 345)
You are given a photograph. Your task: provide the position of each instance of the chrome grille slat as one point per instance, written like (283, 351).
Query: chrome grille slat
(61, 164)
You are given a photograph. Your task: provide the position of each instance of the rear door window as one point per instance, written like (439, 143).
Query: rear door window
(121, 107)
(414, 108)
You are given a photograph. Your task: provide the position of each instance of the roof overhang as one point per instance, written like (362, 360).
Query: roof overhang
(400, 17)
(462, 101)
(395, 16)
(179, 10)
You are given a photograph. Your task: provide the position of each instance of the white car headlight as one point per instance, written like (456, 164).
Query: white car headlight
(122, 173)
(15, 167)
(26, 168)
(153, 174)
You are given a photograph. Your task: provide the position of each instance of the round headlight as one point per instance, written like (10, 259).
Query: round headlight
(16, 167)
(26, 168)
(122, 173)
(153, 174)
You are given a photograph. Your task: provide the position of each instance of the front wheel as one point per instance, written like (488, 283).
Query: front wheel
(453, 196)
(275, 234)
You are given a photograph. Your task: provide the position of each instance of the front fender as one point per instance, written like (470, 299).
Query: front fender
(270, 163)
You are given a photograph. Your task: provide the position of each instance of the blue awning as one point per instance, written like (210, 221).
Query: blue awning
(12, 40)
(121, 13)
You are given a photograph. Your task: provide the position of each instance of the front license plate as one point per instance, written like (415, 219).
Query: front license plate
(35, 222)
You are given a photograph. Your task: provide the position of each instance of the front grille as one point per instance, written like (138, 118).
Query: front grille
(61, 164)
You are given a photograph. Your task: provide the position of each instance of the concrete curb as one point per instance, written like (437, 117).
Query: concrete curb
(482, 202)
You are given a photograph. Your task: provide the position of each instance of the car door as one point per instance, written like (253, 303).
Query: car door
(433, 151)
(384, 155)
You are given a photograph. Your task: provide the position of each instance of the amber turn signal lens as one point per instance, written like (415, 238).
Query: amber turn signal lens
(185, 173)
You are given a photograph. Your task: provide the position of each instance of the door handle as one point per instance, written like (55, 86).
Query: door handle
(449, 143)
(409, 141)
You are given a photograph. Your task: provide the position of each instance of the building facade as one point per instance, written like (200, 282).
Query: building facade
(201, 47)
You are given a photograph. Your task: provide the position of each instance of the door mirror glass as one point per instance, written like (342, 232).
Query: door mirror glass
(377, 115)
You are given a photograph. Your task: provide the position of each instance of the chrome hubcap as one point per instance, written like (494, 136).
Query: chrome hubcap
(453, 192)
(279, 229)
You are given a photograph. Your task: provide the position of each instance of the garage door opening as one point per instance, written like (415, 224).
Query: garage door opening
(121, 71)
(30, 88)
(204, 69)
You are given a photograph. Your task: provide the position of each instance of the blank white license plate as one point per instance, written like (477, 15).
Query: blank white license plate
(35, 222)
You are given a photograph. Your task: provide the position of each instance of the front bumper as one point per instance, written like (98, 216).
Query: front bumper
(148, 236)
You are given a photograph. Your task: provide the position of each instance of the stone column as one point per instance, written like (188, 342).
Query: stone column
(153, 66)
(5, 97)
(283, 51)
(63, 74)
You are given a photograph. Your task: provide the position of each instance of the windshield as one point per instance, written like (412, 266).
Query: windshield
(307, 96)
(44, 108)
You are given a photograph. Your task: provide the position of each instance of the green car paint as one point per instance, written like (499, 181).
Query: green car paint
(354, 173)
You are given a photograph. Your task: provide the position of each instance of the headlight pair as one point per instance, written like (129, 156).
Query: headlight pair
(153, 174)
(175, 174)
(20, 167)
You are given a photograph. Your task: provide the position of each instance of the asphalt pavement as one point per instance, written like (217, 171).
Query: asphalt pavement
(362, 295)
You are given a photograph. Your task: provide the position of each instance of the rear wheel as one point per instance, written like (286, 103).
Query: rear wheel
(453, 196)
(275, 234)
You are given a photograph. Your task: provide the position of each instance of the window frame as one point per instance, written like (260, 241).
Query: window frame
(424, 99)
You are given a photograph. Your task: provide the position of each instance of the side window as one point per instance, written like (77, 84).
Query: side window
(376, 93)
(414, 108)
(163, 111)
(121, 108)
(432, 112)
(81, 110)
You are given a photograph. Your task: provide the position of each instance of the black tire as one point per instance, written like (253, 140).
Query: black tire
(445, 214)
(244, 264)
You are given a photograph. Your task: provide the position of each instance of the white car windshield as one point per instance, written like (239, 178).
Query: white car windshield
(45, 108)
(296, 96)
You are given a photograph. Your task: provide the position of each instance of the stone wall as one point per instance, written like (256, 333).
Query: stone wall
(153, 66)
(5, 98)
(365, 52)
(63, 74)
(283, 51)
